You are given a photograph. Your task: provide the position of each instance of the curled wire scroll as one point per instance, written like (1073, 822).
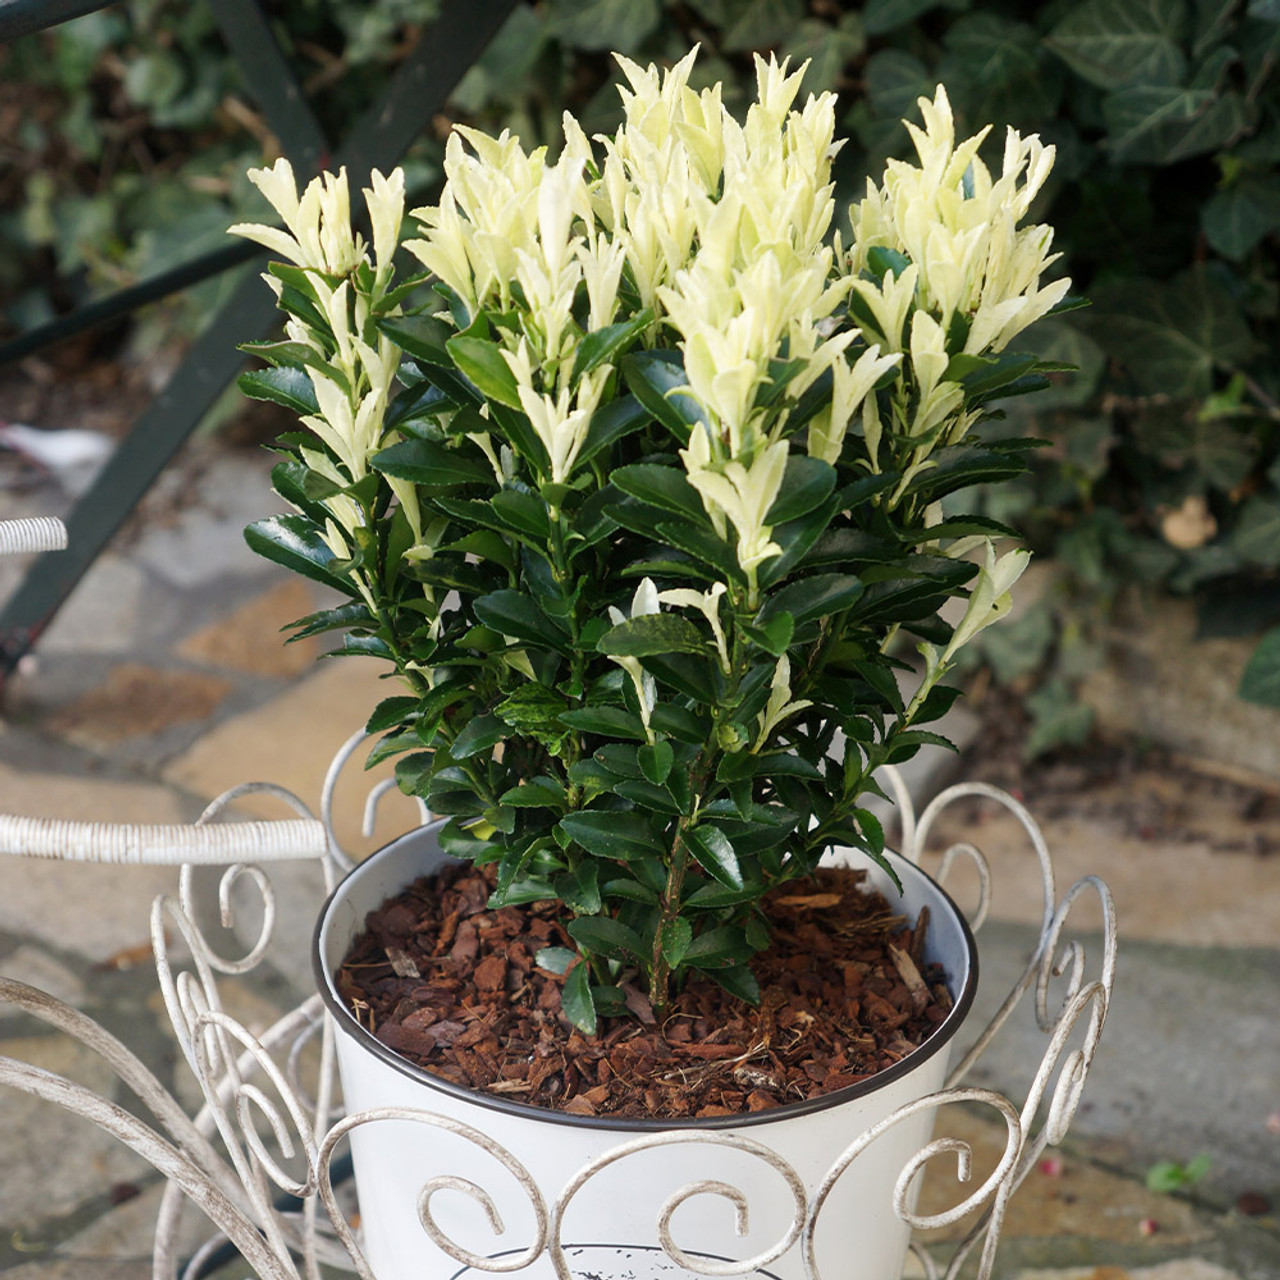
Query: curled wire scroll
(246, 1089)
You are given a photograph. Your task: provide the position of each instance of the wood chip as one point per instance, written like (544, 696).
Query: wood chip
(402, 963)
(916, 985)
(816, 901)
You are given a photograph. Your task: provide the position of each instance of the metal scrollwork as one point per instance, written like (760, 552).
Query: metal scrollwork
(439, 1183)
(261, 1133)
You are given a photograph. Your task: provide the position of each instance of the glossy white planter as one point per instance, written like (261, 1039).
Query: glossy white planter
(412, 1175)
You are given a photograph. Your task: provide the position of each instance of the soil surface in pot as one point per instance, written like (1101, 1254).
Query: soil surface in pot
(453, 987)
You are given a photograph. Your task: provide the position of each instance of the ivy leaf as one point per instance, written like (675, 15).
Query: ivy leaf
(1261, 680)
(605, 24)
(1161, 125)
(1112, 43)
(1256, 536)
(881, 16)
(1237, 219)
(1171, 336)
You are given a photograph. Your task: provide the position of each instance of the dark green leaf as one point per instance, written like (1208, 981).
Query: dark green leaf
(575, 1000)
(711, 847)
(631, 890)
(482, 363)
(423, 337)
(433, 465)
(719, 948)
(389, 713)
(523, 513)
(537, 793)
(806, 483)
(652, 633)
(479, 734)
(579, 889)
(817, 596)
(775, 636)
(655, 760)
(515, 614)
(603, 346)
(664, 487)
(612, 833)
(703, 545)
(647, 796)
(355, 614)
(289, 387)
(554, 959)
(609, 722)
(654, 378)
(616, 419)
(603, 936)
(674, 937)
(295, 542)
(738, 980)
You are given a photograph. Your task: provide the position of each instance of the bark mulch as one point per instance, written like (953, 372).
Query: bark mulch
(452, 986)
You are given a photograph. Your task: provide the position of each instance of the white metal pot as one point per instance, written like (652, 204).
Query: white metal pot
(452, 1181)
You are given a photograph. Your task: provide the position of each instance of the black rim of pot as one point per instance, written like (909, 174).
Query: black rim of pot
(347, 1025)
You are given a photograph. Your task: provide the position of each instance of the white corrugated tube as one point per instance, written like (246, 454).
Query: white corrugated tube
(218, 844)
(34, 533)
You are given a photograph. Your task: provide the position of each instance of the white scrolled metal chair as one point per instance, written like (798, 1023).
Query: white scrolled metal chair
(272, 1198)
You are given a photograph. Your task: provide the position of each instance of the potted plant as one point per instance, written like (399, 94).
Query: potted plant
(648, 492)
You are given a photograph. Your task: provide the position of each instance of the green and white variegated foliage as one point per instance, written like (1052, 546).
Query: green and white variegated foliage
(640, 502)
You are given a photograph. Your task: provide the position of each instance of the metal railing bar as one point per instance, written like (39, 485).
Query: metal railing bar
(272, 82)
(120, 303)
(204, 372)
(22, 17)
(419, 88)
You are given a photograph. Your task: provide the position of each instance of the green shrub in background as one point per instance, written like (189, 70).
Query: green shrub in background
(1166, 193)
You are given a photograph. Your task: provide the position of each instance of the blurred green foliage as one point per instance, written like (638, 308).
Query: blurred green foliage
(130, 131)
